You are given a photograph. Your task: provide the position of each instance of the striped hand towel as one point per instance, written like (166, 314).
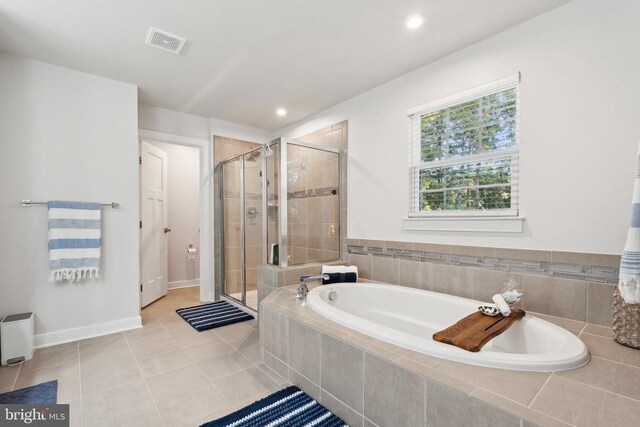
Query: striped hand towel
(629, 284)
(74, 240)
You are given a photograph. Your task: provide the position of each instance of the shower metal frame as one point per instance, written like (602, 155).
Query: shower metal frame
(282, 204)
(241, 159)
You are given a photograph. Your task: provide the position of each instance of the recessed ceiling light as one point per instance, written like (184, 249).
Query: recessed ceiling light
(281, 112)
(414, 20)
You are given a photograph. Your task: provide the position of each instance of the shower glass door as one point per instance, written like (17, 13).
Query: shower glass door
(243, 226)
(232, 228)
(254, 252)
(313, 204)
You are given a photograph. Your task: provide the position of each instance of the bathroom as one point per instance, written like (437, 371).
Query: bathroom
(449, 152)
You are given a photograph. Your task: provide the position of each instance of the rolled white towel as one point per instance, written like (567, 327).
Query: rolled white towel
(327, 269)
(501, 304)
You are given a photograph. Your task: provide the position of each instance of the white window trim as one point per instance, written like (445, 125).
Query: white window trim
(466, 95)
(503, 220)
(469, 224)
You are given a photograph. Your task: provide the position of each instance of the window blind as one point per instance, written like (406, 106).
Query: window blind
(463, 154)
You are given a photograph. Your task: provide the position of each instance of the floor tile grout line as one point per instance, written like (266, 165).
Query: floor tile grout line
(601, 389)
(521, 404)
(79, 388)
(344, 403)
(614, 361)
(583, 328)
(372, 423)
(530, 405)
(364, 358)
(266, 372)
(424, 401)
(234, 350)
(254, 366)
(15, 380)
(224, 397)
(155, 405)
(595, 335)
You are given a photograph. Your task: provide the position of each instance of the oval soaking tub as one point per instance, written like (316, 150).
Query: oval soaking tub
(409, 317)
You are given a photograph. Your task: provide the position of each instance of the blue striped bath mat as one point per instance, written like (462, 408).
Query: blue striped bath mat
(41, 394)
(214, 315)
(290, 407)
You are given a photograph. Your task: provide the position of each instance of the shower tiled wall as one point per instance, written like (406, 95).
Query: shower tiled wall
(228, 148)
(314, 209)
(315, 227)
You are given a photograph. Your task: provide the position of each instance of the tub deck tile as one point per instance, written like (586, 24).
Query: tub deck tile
(515, 385)
(582, 405)
(598, 392)
(515, 408)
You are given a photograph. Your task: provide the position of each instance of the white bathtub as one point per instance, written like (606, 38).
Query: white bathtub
(409, 317)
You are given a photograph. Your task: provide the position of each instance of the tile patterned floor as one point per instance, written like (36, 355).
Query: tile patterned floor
(163, 374)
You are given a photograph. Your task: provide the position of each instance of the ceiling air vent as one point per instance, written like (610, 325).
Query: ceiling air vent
(165, 41)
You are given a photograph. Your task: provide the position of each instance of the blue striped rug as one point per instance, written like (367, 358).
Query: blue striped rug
(290, 407)
(214, 315)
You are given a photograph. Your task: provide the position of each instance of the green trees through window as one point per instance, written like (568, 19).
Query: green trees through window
(461, 167)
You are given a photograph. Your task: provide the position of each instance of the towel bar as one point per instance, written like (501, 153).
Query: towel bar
(27, 203)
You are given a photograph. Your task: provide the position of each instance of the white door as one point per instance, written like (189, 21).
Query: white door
(153, 212)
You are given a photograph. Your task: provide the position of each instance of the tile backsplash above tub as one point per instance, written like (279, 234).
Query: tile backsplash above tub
(573, 285)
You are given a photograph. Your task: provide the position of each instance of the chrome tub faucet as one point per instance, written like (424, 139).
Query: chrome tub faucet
(303, 289)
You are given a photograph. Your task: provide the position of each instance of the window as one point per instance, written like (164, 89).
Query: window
(464, 153)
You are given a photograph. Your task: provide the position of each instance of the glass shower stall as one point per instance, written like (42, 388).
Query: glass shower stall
(255, 225)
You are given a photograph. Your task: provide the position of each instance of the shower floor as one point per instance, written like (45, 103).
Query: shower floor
(252, 298)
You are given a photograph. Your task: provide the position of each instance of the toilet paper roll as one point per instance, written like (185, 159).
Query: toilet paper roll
(191, 253)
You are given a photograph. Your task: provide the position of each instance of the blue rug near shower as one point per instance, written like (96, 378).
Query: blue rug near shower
(214, 315)
(41, 394)
(290, 407)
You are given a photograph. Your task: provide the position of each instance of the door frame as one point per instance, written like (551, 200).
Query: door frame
(205, 148)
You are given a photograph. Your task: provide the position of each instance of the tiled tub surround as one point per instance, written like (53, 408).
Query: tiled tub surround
(368, 382)
(271, 277)
(573, 285)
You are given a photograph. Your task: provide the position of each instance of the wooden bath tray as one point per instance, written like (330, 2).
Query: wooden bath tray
(475, 330)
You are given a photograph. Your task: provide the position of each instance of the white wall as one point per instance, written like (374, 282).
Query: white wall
(183, 206)
(71, 136)
(174, 122)
(169, 121)
(579, 130)
(236, 131)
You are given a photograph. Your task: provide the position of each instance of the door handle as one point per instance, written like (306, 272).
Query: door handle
(166, 230)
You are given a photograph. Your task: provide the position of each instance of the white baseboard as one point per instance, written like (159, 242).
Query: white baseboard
(90, 331)
(183, 284)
